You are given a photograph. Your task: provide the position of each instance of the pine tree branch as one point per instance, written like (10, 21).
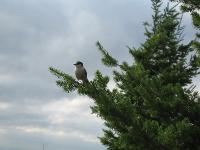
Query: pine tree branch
(65, 81)
(107, 59)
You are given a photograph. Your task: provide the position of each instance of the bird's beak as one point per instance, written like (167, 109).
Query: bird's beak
(74, 64)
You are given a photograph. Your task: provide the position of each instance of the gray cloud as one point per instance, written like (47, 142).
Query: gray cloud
(36, 34)
(60, 123)
(46, 33)
(18, 140)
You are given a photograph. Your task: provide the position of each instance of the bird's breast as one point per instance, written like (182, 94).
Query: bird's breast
(79, 74)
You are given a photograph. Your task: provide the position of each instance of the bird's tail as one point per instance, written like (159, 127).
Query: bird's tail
(86, 81)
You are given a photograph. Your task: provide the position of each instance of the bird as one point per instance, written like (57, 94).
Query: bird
(80, 72)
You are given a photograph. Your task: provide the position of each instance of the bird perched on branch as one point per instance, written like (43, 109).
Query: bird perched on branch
(80, 72)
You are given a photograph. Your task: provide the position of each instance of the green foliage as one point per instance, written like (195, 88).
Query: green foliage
(65, 81)
(193, 6)
(152, 106)
(189, 5)
(106, 58)
(196, 20)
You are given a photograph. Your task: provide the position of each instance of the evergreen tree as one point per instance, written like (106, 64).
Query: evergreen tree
(193, 6)
(154, 104)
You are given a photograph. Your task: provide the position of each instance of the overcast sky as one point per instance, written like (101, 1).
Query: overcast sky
(36, 34)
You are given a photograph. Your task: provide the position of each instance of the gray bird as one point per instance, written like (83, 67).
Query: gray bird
(80, 72)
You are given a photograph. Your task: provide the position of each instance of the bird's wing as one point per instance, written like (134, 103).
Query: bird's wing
(85, 80)
(85, 72)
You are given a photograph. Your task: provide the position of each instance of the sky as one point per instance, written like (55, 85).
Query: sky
(37, 34)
